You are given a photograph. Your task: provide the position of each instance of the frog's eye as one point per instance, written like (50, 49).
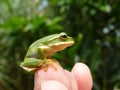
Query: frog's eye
(63, 37)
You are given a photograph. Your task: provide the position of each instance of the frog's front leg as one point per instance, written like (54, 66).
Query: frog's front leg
(43, 52)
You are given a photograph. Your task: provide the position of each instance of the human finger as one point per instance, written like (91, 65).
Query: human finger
(51, 74)
(83, 76)
(53, 85)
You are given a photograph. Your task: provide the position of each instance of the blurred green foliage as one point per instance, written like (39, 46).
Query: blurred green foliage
(93, 24)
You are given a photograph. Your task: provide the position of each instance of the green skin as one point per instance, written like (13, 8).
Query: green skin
(42, 49)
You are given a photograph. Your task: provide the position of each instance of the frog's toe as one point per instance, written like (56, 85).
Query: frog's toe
(47, 63)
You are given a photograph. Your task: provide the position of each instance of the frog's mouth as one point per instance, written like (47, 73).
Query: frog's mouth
(60, 46)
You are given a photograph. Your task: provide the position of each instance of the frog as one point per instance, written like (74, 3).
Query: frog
(39, 52)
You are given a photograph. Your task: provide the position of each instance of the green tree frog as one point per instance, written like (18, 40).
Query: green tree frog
(40, 51)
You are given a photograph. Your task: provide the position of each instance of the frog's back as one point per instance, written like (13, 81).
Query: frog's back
(32, 51)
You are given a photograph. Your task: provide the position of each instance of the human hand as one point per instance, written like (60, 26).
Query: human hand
(78, 79)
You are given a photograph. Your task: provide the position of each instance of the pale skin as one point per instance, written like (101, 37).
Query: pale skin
(78, 79)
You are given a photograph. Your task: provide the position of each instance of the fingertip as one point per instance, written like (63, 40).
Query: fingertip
(53, 85)
(83, 76)
(72, 80)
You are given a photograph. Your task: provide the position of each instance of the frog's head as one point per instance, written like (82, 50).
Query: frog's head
(60, 41)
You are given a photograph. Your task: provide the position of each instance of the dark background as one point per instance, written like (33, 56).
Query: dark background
(94, 25)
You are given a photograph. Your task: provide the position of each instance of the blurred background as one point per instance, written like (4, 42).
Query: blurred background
(94, 25)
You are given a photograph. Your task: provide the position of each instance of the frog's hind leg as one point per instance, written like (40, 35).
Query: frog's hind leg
(29, 69)
(31, 64)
